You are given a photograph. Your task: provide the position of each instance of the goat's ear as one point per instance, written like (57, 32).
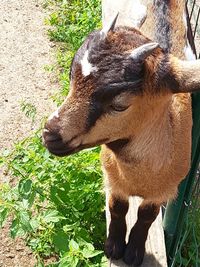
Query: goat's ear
(140, 53)
(186, 75)
(110, 27)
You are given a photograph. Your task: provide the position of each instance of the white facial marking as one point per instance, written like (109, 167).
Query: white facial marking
(54, 115)
(87, 67)
(45, 130)
(139, 14)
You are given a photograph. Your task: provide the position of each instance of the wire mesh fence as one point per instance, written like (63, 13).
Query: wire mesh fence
(193, 8)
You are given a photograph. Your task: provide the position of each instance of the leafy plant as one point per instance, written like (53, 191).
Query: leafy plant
(73, 20)
(29, 109)
(57, 203)
(70, 23)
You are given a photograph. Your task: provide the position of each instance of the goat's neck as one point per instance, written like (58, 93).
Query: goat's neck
(152, 143)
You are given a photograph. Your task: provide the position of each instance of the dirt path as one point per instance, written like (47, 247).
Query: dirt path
(24, 51)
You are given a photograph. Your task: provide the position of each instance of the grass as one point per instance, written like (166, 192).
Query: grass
(188, 250)
(57, 205)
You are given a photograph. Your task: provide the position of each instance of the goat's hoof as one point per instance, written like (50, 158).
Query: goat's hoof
(114, 249)
(134, 255)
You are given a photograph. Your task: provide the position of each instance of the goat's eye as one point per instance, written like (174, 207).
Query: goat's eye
(118, 108)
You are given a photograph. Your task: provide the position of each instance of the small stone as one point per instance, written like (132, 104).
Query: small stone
(19, 248)
(2, 67)
(11, 256)
(52, 44)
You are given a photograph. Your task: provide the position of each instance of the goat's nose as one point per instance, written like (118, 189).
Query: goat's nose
(51, 136)
(54, 142)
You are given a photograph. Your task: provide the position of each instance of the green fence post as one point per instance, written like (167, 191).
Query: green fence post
(177, 209)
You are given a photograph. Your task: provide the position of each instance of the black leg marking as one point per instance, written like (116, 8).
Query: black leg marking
(135, 249)
(115, 244)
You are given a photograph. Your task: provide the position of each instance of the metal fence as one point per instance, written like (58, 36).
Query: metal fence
(182, 216)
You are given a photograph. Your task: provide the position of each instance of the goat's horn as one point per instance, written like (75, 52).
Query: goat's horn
(111, 26)
(142, 52)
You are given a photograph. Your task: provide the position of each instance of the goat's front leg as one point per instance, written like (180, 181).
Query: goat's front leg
(115, 244)
(135, 249)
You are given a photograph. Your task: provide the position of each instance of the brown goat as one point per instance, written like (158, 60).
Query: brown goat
(131, 96)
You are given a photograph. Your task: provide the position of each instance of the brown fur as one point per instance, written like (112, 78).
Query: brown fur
(178, 30)
(160, 154)
(150, 20)
(177, 27)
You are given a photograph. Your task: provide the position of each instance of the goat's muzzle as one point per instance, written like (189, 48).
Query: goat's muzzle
(54, 143)
(53, 140)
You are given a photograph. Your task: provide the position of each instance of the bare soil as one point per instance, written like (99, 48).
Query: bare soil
(24, 51)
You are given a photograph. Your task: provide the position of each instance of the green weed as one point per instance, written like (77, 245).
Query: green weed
(57, 204)
(29, 110)
(70, 23)
(73, 20)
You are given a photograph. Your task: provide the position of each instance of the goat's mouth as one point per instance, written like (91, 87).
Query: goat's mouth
(65, 151)
(60, 149)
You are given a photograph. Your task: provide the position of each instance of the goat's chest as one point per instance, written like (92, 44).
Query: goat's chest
(144, 178)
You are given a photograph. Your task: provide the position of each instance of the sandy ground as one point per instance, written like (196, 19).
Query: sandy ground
(24, 51)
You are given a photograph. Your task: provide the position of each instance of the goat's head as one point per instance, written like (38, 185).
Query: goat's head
(118, 79)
